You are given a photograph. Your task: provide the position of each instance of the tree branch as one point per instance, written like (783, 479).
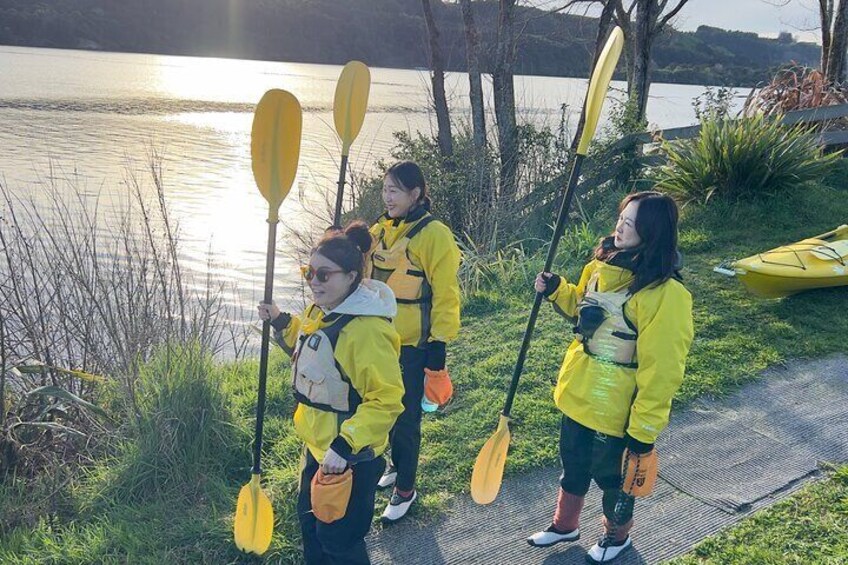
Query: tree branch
(661, 24)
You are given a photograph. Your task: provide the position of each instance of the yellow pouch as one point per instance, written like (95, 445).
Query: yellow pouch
(330, 495)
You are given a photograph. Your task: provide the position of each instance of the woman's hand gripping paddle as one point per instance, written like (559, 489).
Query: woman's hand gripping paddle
(349, 107)
(274, 151)
(488, 469)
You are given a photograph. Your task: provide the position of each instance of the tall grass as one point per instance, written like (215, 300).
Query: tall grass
(185, 434)
(512, 268)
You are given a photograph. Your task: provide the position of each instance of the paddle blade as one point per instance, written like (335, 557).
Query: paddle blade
(598, 86)
(275, 146)
(254, 521)
(488, 469)
(351, 102)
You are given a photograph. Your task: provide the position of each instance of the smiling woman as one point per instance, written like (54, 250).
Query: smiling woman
(346, 380)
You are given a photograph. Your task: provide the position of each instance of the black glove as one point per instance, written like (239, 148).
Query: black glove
(551, 283)
(637, 446)
(436, 355)
(281, 322)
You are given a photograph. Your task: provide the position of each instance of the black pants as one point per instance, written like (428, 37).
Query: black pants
(587, 455)
(343, 541)
(405, 436)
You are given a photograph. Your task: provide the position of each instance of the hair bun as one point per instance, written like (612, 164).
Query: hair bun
(358, 233)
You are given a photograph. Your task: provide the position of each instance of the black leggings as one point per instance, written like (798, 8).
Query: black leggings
(343, 541)
(587, 455)
(405, 436)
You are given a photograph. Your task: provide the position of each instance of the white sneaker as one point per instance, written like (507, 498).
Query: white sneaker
(388, 478)
(398, 507)
(604, 551)
(551, 536)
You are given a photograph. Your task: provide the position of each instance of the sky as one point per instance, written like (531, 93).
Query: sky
(764, 17)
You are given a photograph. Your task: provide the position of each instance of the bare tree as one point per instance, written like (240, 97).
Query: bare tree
(478, 116)
(651, 20)
(834, 33)
(504, 91)
(437, 75)
(475, 81)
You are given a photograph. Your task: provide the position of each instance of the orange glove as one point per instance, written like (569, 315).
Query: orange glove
(639, 471)
(330, 495)
(438, 387)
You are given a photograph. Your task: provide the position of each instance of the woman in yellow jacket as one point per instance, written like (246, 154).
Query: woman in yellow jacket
(417, 256)
(346, 380)
(634, 329)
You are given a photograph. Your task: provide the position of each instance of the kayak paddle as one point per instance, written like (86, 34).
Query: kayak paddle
(349, 107)
(274, 152)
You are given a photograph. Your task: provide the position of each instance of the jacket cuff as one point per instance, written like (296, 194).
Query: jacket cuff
(281, 322)
(436, 355)
(552, 285)
(342, 447)
(636, 446)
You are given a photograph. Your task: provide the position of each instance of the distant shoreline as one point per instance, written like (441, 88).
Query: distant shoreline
(617, 77)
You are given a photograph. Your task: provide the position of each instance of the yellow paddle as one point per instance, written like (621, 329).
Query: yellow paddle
(349, 107)
(274, 151)
(488, 469)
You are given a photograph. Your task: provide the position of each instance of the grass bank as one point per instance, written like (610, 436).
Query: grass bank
(144, 505)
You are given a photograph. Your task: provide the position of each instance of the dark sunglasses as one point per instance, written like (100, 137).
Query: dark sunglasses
(323, 275)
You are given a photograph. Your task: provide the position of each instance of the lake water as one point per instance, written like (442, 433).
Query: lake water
(90, 117)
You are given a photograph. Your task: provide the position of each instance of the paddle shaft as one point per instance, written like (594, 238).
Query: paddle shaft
(263, 353)
(337, 217)
(537, 303)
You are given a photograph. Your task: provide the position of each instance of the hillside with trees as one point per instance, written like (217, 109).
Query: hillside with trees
(389, 33)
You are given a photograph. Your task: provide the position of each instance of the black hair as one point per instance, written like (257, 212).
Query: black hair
(408, 176)
(655, 260)
(347, 248)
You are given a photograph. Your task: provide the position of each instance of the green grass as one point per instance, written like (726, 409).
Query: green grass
(808, 527)
(150, 501)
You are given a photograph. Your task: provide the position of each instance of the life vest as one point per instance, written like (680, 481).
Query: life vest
(603, 328)
(317, 379)
(407, 280)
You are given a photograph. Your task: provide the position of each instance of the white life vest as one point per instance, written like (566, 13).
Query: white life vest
(317, 379)
(603, 328)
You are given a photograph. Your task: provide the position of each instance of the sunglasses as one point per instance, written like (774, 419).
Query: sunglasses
(323, 275)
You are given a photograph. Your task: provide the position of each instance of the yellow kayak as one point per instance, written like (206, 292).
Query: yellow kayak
(816, 262)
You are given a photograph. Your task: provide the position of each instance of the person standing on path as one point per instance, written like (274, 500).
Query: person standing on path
(417, 256)
(615, 387)
(347, 383)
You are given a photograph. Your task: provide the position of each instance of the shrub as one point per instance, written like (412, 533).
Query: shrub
(795, 88)
(742, 159)
(464, 188)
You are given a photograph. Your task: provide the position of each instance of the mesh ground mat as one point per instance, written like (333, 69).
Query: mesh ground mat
(732, 452)
(668, 523)
(802, 409)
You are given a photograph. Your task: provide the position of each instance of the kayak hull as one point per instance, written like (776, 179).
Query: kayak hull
(817, 262)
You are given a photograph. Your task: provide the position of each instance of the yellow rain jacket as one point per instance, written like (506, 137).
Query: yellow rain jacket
(422, 272)
(614, 399)
(363, 363)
